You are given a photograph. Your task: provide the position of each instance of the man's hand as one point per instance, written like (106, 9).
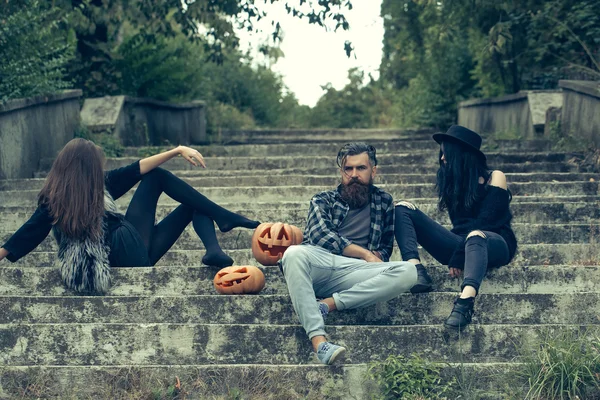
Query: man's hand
(370, 257)
(355, 251)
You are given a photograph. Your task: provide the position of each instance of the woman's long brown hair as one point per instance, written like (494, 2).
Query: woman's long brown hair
(74, 190)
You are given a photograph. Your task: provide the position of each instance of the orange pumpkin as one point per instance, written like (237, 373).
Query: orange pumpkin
(271, 240)
(239, 280)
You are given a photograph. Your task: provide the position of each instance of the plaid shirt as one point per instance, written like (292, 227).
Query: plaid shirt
(327, 212)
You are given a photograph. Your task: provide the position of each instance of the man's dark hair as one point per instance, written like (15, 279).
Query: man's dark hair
(355, 148)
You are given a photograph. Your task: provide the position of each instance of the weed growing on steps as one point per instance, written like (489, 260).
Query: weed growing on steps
(110, 145)
(408, 378)
(564, 365)
(467, 383)
(590, 255)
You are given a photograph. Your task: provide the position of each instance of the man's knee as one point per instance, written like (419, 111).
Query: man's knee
(293, 252)
(476, 233)
(404, 271)
(294, 255)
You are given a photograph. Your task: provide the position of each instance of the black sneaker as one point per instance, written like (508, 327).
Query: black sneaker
(423, 284)
(461, 314)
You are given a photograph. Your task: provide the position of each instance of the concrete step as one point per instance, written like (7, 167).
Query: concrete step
(305, 193)
(562, 211)
(176, 344)
(252, 381)
(271, 136)
(284, 162)
(528, 254)
(332, 148)
(407, 309)
(183, 170)
(325, 180)
(191, 281)
(242, 238)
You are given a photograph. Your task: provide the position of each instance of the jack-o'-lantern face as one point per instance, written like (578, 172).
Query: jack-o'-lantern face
(239, 280)
(271, 240)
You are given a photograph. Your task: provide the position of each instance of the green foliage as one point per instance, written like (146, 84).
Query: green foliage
(408, 378)
(238, 94)
(357, 105)
(164, 68)
(35, 47)
(567, 141)
(226, 117)
(110, 145)
(101, 25)
(562, 366)
(170, 393)
(436, 54)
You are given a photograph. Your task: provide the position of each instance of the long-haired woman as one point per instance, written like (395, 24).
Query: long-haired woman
(477, 201)
(77, 204)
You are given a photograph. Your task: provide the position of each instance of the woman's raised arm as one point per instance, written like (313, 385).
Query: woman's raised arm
(191, 155)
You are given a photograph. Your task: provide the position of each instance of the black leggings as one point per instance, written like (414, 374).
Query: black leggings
(195, 207)
(413, 227)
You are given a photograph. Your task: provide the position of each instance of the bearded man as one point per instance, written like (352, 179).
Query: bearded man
(344, 258)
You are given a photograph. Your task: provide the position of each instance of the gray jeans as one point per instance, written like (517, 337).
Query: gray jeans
(312, 272)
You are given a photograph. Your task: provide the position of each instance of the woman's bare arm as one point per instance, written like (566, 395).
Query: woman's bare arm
(149, 163)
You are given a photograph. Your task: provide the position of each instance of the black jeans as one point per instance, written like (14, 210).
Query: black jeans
(413, 227)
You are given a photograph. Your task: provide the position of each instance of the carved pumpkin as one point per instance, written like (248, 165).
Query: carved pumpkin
(271, 240)
(239, 280)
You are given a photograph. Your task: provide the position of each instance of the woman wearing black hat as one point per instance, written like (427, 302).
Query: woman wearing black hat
(477, 201)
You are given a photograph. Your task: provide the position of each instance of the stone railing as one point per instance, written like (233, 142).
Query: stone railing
(523, 112)
(580, 116)
(140, 121)
(35, 128)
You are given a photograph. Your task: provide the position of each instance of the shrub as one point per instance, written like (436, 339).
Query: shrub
(110, 145)
(35, 47)
(562, 366)
(408, 378)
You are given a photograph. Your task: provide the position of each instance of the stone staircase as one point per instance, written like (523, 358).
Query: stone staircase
(163, 324)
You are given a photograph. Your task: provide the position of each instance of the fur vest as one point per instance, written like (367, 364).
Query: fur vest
(83, 264)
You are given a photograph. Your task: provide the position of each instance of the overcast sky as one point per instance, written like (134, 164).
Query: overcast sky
(314, 57)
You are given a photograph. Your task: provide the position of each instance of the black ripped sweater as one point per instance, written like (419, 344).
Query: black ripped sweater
(491, 213)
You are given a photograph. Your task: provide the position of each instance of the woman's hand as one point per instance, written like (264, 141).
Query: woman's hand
(191, 155)
(455, 272)
(406, 204)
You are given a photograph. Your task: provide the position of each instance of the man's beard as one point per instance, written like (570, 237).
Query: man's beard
(355, 193)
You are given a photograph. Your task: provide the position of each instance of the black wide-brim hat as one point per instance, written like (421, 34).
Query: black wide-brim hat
(460, 134)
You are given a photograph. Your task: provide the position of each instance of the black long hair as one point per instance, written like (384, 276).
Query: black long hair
(458, 179)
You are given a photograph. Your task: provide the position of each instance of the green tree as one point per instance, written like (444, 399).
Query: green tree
(176, 69)
(100, 26)
(357, 105)
(437, 53)
(35, 47)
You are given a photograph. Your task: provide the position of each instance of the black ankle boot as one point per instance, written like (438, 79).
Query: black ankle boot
(461, 314)
(423, 281)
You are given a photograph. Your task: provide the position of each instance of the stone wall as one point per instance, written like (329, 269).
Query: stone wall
(34, 128)
(580, 115)
(140, 121)
(522, 113)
